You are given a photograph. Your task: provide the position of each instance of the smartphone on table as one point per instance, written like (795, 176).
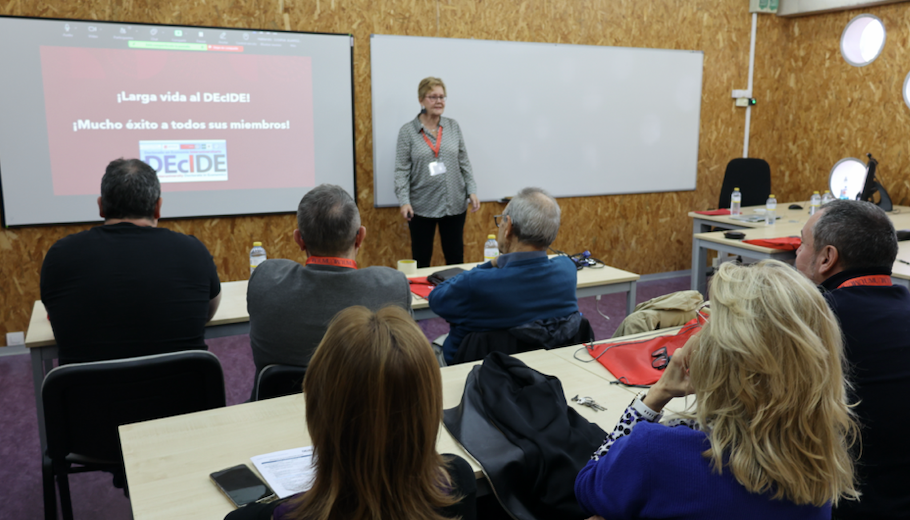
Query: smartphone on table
(242, 486)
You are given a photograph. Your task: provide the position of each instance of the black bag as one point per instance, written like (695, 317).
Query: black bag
(440, 276)
(531, 445)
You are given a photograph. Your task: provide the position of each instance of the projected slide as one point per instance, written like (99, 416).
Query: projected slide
(234, 122)
(193, 116)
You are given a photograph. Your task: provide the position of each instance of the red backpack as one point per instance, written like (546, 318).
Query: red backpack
(642, 361)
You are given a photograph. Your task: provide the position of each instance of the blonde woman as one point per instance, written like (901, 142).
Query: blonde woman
(772, 429)
(433, 177)
(373, 395)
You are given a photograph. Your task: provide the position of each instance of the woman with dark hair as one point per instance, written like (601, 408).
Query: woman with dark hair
(373, 395)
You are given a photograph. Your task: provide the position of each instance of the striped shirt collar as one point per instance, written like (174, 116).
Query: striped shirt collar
(418, 126)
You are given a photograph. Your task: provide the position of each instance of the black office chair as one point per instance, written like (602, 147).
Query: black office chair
(84, 403)
(751, 176)
(476, 345)
(278, 381)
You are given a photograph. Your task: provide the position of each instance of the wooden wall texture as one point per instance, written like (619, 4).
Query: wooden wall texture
(813, 109)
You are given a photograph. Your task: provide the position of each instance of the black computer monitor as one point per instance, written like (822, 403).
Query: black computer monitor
(869, 182)
(871, 186)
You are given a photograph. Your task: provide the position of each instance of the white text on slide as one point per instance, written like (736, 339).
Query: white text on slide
(142, 124)
(177, 97)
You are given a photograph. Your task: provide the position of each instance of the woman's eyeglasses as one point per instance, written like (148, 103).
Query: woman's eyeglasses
(660, 359)
(436, 98)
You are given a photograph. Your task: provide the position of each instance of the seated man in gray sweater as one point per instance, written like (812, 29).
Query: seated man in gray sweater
(290, 304)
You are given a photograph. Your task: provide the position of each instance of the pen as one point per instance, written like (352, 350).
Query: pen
(903, 261)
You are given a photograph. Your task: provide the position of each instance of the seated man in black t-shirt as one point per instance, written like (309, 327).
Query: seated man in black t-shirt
(128, 288)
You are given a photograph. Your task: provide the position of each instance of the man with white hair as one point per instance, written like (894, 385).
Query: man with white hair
(518, 287)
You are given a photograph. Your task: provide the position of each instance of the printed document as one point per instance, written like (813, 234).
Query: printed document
(288, 472)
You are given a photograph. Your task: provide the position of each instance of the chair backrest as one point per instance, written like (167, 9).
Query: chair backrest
(585, 333)
(752, 177)
(476, 345)
(278, 381)
(84, 403)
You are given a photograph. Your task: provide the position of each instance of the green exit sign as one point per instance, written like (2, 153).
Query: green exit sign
(763, 6)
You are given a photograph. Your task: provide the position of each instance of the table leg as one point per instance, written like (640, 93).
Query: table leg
(699, 226)
(699, 267)
(700, 255)
(424, 314)
(38, 380)
(630, 298)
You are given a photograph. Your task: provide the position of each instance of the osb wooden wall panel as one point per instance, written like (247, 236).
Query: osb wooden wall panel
(643, 233)
(822, 109)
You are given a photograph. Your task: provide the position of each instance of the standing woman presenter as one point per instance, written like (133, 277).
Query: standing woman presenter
(433, 177)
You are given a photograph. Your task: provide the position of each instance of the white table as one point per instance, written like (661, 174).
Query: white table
(790, 224)
(591, 282)
(900, 271)
(168, 460)
(706, 223)
(716, 241)
(232, 318)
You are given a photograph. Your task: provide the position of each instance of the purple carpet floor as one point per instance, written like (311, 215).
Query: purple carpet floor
(94, 498)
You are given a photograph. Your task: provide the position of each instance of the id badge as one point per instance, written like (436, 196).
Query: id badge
(437, 168)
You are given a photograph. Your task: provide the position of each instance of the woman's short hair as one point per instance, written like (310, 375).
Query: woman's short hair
(535, 217)
(129, 190)
(373, 393)
(768, 373)
(428, 84)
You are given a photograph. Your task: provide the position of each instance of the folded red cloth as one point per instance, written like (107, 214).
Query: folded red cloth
(420, 286)
(714, 212)
(783, 243)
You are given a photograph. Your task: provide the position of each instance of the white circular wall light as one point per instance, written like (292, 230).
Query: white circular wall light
(847, 178)
(906, 90)
(862, 40)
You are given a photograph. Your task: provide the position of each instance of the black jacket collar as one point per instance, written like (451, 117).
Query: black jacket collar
(834, 281)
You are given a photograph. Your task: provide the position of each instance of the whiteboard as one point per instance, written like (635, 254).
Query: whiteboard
(576, 120)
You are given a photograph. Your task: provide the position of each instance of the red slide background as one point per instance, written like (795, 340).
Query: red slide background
(83, 83)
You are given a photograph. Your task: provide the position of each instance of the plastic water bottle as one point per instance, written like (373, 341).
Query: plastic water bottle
(827, 197)
(736, 202)
(770, 210)
(815, 202)
(257, 256)
(490, 248)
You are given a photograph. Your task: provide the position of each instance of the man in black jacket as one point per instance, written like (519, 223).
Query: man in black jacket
(848, 248)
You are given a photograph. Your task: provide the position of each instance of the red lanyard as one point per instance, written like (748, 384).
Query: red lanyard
(438, 141)
(331, 260)
(873, 280)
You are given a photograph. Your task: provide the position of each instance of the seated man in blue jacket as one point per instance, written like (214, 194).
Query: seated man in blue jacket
(520, 286)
